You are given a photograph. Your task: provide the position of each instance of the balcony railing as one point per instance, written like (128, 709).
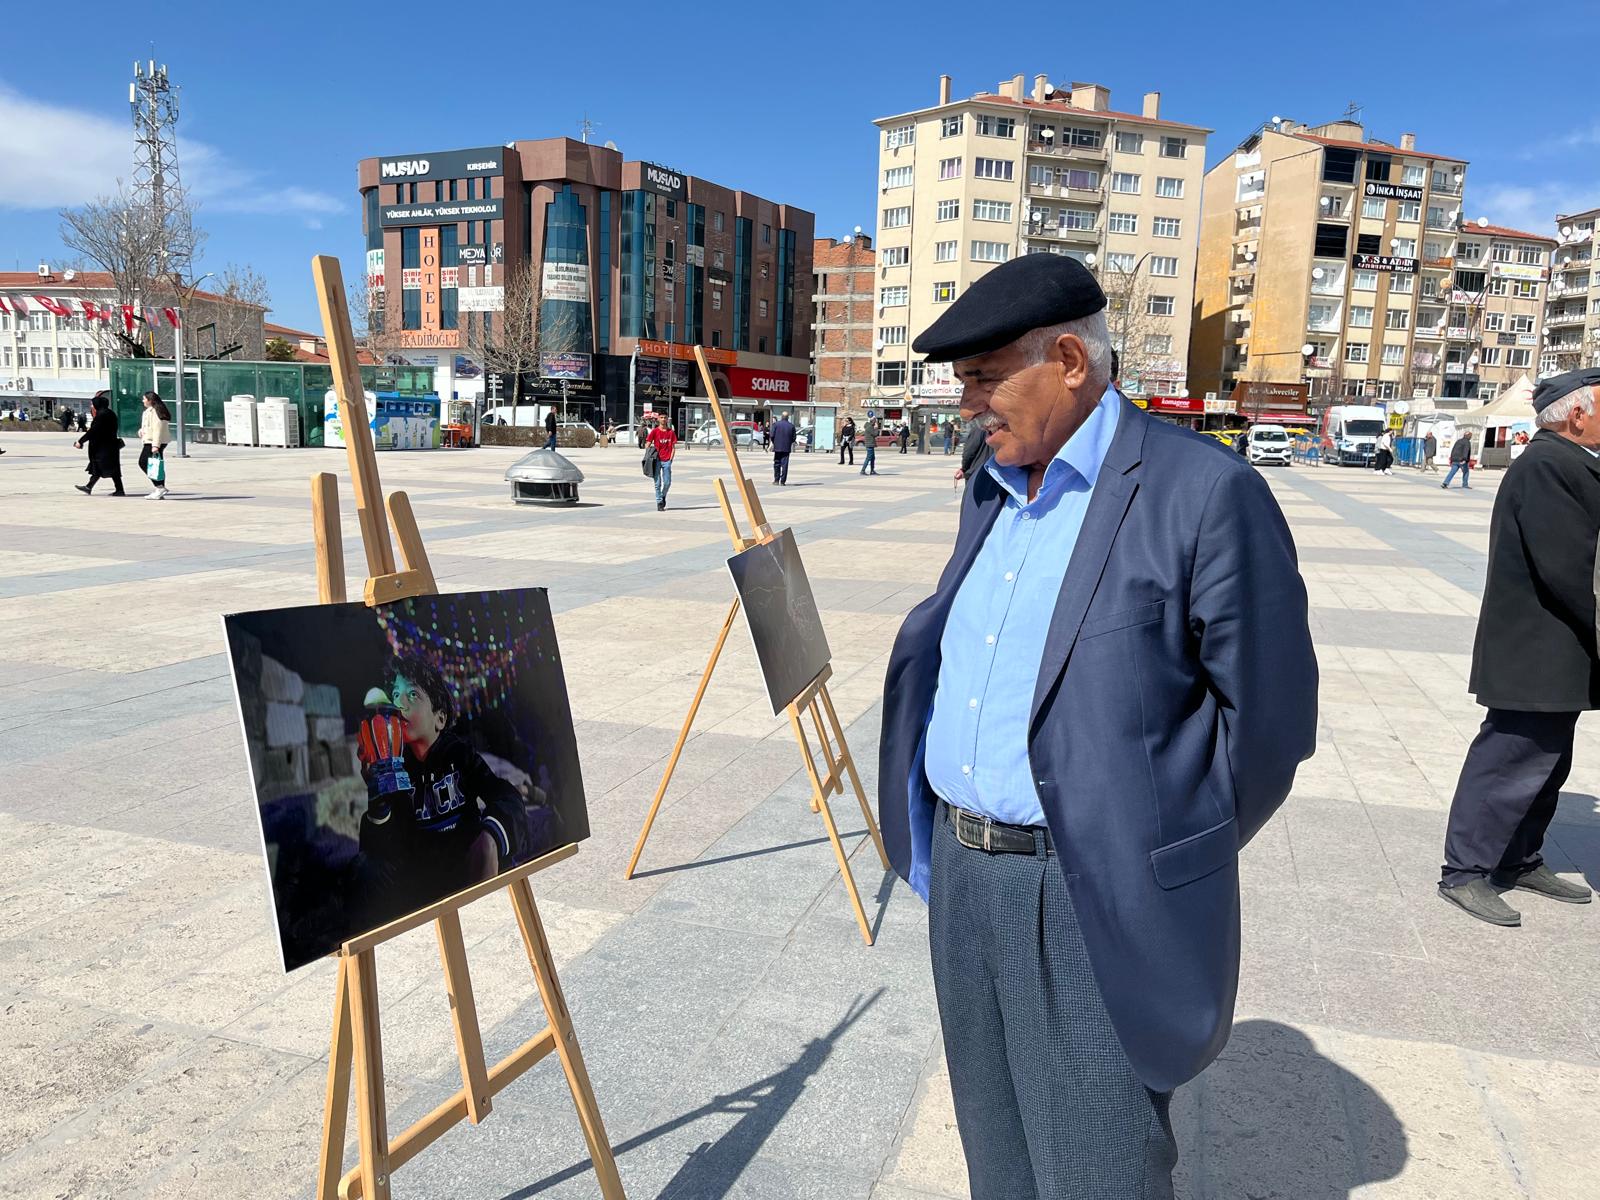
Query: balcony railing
(1094, 153)
(1064, 233)
(1565, 318)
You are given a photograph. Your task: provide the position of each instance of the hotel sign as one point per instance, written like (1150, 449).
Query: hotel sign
(1384, 262)
(424, 339)
(444, 212)
(1392, 191)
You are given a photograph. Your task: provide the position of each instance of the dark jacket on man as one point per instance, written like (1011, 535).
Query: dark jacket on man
(1461, 450)
(1535, 650)
(782, 435)
(104, 445)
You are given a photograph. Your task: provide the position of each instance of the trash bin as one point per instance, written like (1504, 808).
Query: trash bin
(544, 477)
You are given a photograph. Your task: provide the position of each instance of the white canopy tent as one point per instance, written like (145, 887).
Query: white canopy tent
(1514, 406)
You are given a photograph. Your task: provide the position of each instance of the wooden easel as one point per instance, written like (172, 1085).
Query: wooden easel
(813, 702)
(357, 1045)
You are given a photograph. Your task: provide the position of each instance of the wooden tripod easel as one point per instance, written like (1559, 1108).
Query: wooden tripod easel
(813, 702)
(357, 1045)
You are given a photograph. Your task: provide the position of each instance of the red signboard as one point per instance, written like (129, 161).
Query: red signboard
(1189, 406)
(777, 387)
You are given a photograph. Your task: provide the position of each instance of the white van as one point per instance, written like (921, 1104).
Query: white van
(1350, 434)
(524, 416)
(1269, 445)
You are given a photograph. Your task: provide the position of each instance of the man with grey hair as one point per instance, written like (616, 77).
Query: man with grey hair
(1104, 699)
(1535, 665)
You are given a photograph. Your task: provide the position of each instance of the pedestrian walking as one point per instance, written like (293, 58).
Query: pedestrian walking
(1460, 460)
(1534, 664)
(869, 464)
(1383, 460)
(905, 437)
(949, 435)
(664, 439)
(847, 441)
(550, 430)
(782, 434)
(155, 431)
(766, 435)
(83, 421)
(1075, 823)
(104, 445)
(1430, 449)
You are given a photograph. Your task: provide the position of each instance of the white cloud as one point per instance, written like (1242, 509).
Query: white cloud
(57, 157)
(1531, 206)
(1562, 143)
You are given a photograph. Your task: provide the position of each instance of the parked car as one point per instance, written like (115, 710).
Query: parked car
(744, 434)
(579, 434)
(1269, 444)
(625, 435)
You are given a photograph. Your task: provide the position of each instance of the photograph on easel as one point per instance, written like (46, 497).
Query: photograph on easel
(781, 614)
(401, 753)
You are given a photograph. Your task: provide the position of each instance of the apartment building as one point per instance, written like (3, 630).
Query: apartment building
(1496, 304)
(968, 183)
(1572, 311)
(1325, 260)
(843, 290)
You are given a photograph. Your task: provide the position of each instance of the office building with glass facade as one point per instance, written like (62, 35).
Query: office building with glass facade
(620, 267)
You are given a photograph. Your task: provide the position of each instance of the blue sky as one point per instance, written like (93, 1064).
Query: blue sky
(281, 100)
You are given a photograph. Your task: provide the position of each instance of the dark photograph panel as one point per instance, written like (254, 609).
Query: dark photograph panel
(782, 617)
(402, 753)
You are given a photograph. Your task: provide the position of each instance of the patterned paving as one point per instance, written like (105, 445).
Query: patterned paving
(742, 1040)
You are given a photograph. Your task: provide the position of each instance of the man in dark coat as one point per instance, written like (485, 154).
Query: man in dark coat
(550, 430)
(1460, 460)
(783, 435)
(1534, 665)
(104, 445)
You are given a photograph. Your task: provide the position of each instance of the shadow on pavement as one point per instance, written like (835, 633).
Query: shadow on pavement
(713, 1168)
(1278, 1118)
(728, 858)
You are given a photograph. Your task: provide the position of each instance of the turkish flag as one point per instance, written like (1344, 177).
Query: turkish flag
(128, 318)
(54, 306)
(172, 316)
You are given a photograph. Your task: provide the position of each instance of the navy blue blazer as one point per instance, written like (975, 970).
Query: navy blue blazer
(1177, 696)
(783, 434)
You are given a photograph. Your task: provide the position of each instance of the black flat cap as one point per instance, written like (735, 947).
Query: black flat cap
(1559, 387)
(1030, 292)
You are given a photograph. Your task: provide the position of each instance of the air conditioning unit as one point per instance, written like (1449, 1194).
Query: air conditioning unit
(44, 270)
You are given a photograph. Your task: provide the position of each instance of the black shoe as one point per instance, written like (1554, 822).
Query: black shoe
(81, 487)
(1478, 898)
(661, 505)
(1543, 881)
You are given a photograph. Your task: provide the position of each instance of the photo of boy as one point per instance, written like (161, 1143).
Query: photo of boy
(438, 818)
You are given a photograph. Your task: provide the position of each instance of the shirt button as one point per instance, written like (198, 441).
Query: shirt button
(1010, 576)
(989, 641)
(1027, 516)
(972, 703)
(966, 768)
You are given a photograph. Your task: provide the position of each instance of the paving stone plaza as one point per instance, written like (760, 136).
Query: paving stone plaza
(742, 1040)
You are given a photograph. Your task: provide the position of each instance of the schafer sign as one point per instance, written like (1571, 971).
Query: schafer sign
(776, 386)
(442, 164)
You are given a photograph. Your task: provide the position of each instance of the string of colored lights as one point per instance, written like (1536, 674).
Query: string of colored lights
(476, 640)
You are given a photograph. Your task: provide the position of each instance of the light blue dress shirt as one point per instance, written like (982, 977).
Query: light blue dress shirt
(993, 642)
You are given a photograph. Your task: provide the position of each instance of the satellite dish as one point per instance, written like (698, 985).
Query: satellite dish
(1483, 222)
(69, 274)
(610, 145)
(858, 230)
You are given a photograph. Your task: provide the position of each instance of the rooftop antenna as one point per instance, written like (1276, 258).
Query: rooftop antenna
(156, 186)
(1353, 112)
(587, 127)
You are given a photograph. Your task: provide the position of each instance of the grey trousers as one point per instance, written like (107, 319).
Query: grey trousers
(1506, 796)
(1046, 1102)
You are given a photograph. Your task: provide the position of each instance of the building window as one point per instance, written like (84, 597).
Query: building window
(1000, 127)
(1378, 167)
(890, 374)
(761, 307)
(949, 168)
(1410, 210)
(950, 126)
(1338, 165)
(1412, 174)
(1162, 264)
(1519, 358)
(1088, 138)
(894, 218)
(1364, 281)
(947, 210)
(1077, 218)
(717, 223)
(1160, 306)
(1397, 318)
(894, 256)
(1405, 247)
(1168, 227)
(1522, 323)
(992, 168)
(1123, 222)
(1374, 208)
(1169, 186)
(1331, 241)
(1130, 143)
(1530, 255)
(717, 259)
(943, 293)
(1401, 285)
(894, 297)
(1120, 263)
(990, 252)
(1490, 356)
(991, 210)
(895, 177)
(945, 251)
(1470, 250)
(1360, 316)
(1125, 182)
(900, 135)
(766, 235)
(1494, 322)
(1158, 343)
(716, 299)
(1083, 180)
(1357, 352)
(893, 335)
(1174, 147)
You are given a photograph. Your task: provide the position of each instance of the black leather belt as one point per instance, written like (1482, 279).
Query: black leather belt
(996, 837)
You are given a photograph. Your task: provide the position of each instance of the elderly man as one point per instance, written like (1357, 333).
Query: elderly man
(1534, 666)
(1104, 699)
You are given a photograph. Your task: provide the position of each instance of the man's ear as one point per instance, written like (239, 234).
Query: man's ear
(1074, 360)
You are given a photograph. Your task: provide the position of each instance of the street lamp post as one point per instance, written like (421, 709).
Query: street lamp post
(177, 360)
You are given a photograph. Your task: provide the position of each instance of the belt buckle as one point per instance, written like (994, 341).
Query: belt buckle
(988, 828)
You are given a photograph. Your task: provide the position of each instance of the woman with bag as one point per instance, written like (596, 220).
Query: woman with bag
(105, 447)
(155, 431)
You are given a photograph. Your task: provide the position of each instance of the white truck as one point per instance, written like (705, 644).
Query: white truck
(1350, 434)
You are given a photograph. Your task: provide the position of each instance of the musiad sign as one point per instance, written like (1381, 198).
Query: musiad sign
(749, 384)
(662, 181)
(444, 164)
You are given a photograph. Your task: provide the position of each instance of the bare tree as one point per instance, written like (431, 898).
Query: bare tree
(374, 333)
(1135, 330)
(520, 332)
